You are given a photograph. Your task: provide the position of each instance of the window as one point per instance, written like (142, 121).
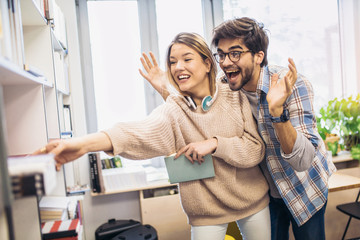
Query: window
(116, 49)
(170, 23)
(309, 36)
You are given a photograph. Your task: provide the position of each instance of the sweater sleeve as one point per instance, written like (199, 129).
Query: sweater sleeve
(243, 151)
(148, 138)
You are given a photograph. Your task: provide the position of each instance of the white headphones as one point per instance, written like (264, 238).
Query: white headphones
(205, 104)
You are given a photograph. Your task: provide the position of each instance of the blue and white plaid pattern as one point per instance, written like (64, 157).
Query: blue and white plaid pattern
(303, 192)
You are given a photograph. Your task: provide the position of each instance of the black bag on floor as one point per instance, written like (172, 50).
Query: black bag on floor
(113, 227)
(142, 232)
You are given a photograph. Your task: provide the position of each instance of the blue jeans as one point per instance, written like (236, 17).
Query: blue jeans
(281, 217)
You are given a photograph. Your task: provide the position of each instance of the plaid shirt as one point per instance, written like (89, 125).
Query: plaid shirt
(305, 192)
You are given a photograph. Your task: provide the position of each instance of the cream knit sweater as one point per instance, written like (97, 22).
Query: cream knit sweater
(239, 188)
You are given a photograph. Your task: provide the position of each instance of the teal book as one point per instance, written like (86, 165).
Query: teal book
(182, 170)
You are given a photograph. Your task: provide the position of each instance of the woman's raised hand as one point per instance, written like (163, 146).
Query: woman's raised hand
(154, 75)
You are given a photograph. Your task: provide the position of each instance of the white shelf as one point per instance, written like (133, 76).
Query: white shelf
(12, 74)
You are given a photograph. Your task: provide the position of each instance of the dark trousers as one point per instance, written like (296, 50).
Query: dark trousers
(313, 229)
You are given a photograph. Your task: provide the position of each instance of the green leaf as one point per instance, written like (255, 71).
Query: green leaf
(333, 147)
(355, 152)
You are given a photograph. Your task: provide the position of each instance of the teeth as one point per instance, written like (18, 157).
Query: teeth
(232, 71)
(183, 76)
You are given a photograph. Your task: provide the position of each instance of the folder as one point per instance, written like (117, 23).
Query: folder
(60, 229)
(182, 170)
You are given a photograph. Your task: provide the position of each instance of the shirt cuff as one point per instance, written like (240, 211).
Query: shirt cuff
(302, 155)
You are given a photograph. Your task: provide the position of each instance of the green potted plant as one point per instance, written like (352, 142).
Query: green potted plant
(328, 127)
(341, 117)
(349, 115)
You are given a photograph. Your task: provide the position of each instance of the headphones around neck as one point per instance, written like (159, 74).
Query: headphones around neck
(205, 104)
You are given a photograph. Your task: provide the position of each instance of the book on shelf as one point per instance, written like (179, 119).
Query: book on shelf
(182, 170)
(114, 162)
(107, 163)
(66, 229)
(67, 118)
(16, 35)
(66, 135)
(49, 9)
(33, 168)
(97, 182)
(74, 208)
(77, 189)
(117, 161)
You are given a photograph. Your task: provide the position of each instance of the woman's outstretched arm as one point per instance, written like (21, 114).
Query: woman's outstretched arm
(71, 149)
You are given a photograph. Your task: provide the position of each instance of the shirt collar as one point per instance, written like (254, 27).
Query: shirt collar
(264, 80)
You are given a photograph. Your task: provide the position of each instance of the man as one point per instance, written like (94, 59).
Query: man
(296, 165)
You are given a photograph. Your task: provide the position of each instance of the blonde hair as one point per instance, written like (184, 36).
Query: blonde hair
(196, 42)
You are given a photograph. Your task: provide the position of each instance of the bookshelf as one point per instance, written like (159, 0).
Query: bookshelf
(34, 82)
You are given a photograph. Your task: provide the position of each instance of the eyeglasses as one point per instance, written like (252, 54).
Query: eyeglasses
(234, 56)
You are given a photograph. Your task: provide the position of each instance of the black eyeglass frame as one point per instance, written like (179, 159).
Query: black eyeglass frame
(229, 54)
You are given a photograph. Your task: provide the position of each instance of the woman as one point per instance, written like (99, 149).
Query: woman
(196, 121)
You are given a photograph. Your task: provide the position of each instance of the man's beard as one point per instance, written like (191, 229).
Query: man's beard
(248, 73)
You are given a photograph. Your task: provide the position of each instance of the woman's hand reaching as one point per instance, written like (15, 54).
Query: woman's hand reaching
(154, 75)
(71, 149)
(64, 150)
(197, 150)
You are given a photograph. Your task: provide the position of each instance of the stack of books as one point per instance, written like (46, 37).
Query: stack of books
(54, 208)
